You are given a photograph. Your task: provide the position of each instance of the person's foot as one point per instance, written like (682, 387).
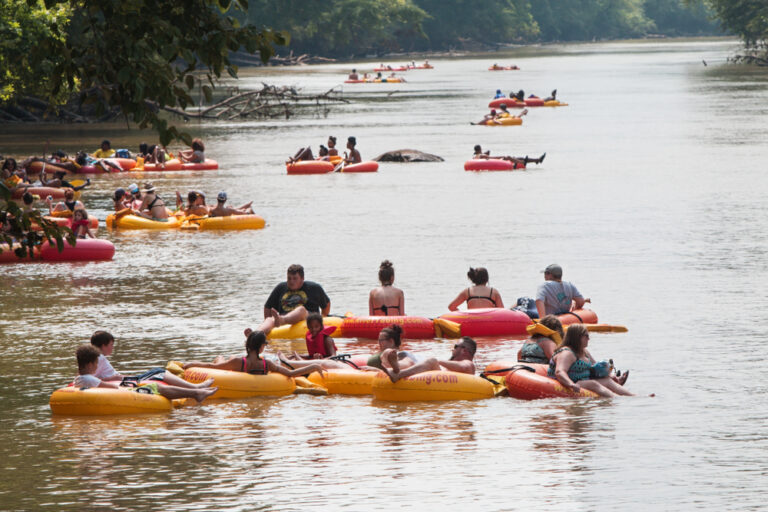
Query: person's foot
(526, 160)
(541, 158)
(279, 320)
(296, 356)
(394, 377)
(281, 357)
(202, 394)
(623, 378)
(204, 384)
(554, 93)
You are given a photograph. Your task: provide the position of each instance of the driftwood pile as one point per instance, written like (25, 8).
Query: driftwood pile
(268, 102)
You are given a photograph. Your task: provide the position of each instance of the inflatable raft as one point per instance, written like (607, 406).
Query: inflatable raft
(298, 330)
(37, 166)
(241, 385)
(177, 165)
(345, 382)
(529, 102)
(131, 221)
(491, 164)
(489, 322)
(502, 121)
(231, 222)
(503, 68)
(91, 249)
(43, 192)
(93, 222)
(391, 68)
(525, 384)
(367, 166)
(414, 327)
(503, 367)
(310, 167)
(103, 401)
(433, 385)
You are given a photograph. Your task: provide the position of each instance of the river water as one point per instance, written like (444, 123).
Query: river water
(651, 197)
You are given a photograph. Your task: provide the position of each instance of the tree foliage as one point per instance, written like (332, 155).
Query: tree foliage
(18, 235)
(137, 54)
(22, 25)
(747, 18)
(343, 27)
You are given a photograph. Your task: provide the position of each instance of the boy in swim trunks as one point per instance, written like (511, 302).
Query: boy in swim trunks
(88, 363)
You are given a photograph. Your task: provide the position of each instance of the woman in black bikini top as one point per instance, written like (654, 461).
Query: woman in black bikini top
(386, 300)
(480, 295)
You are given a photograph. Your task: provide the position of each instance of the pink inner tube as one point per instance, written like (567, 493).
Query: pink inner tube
(534, 102)
(368, 166)
(414, 327)
(125, 164)
(509, 102)
(491, 164)
(90, 249)
(489, 321)
(310, 167)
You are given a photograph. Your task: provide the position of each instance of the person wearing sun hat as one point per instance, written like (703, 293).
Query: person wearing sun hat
(225, 211)
(152, 207)
(555, 296)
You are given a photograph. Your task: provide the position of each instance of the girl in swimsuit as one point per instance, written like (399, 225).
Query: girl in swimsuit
(80, 225)
(332, 151)
(253, 362)
(546, 334)
(571, 364)
(386, 300)
(387, 356)
(480, 295)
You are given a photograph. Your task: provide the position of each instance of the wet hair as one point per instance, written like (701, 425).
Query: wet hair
(331, 137)
(119, 194)
(572, 338)
(82, 212)
(386, 272)
(86, 354)
(478, 148)
(393, 332)
(143, 148)
(353, 140)
(81, 159)
(470, 344)
(69, 194)
(255, 341)
(10, 164)
(314, 317)
(101, 338)
(105, 141)
(296, 269)
(553, 323)
(323, 150)
(192, 196)
(28, 198)
(197, 145)
(478, 275)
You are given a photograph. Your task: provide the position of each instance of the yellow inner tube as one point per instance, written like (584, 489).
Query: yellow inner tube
(433, 385)
(240, 384)
(103, 401)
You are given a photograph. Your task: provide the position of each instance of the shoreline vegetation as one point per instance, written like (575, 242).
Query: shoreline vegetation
(65, 63)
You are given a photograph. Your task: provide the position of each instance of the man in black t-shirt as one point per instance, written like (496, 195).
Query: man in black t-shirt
(293, 299)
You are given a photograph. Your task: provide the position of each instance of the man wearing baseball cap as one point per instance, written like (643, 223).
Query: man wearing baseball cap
(220, 210)
(555, 296)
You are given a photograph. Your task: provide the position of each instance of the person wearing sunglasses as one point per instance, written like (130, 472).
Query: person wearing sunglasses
(573, 366)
